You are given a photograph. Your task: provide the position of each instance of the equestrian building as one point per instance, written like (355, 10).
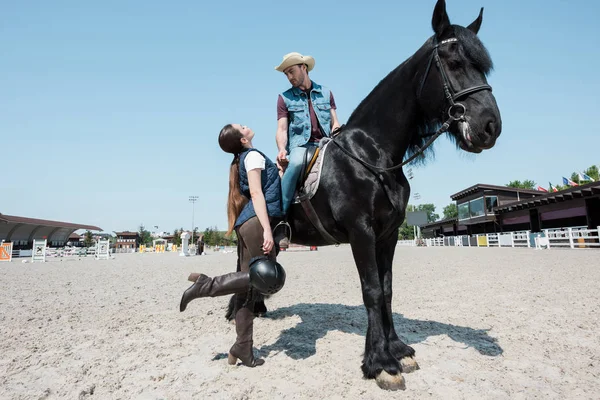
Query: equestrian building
(127, 240)
(495, 209)
(22, 231)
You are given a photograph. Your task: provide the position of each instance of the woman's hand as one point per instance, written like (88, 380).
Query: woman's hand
(268, 242)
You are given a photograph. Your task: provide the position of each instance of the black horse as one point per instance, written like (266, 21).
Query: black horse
(363, 191)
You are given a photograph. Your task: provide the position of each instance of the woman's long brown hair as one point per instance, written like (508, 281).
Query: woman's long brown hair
(229, 140)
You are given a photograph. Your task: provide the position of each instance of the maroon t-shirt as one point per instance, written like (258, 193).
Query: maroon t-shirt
(315, 132)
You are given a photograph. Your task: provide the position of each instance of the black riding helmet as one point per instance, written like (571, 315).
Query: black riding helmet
(266, 276)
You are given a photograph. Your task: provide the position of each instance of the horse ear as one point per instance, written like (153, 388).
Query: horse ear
(440, 20)
(475, 25)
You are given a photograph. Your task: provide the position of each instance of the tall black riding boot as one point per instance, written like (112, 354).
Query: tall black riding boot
(242, 348)
(235, 282)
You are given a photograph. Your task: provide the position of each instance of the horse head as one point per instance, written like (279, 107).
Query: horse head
(453, 85)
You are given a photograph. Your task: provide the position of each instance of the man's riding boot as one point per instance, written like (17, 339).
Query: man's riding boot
(235, 282)
(242, 348)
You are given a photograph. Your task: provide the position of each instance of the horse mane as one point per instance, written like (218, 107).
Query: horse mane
(476, 53)
(424, 131)
(472, 49)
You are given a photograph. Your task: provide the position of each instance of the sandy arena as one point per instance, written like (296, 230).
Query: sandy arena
(485, 323)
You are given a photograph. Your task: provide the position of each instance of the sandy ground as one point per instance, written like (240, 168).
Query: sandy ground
(486, 323)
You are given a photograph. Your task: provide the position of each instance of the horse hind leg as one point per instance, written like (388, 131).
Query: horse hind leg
(400, 350)
(378, 362)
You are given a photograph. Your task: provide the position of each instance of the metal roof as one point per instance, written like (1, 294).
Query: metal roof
(587, 190)
(44, 222)
(482, 186)
(23, 229)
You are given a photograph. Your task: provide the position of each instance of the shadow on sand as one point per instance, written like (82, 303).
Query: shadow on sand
(317, 319)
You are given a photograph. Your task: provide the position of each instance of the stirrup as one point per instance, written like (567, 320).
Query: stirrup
(285, 223)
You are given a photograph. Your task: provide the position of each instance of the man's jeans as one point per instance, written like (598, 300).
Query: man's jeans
(289, 181)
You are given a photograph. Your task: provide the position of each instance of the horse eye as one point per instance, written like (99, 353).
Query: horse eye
(454, 61)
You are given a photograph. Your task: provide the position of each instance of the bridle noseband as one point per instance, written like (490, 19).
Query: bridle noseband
(456, 111)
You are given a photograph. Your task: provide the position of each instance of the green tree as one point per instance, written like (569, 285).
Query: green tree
(88, 240)
(430, 210)
(450, 211)
(406, 232)
(215, 237)
(593, 172)
(195, 236)
(209, 234)
(177, 236)
(231, 238)
(145, 236)
(526, 184)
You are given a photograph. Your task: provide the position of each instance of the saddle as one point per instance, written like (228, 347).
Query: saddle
(308, 183)
(310, 157)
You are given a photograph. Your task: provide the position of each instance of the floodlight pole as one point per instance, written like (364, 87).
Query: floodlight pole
(193, 200)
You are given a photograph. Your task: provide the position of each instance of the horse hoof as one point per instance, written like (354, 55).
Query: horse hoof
(409, 365)
(390, 382)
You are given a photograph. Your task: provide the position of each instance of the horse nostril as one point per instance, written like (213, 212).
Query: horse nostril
(490, 129)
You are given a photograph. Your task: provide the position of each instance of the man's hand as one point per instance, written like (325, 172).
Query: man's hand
(281, 159)
(280, 169)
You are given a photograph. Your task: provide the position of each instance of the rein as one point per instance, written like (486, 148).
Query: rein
(456, 111)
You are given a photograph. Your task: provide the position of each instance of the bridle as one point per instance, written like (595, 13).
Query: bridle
(456, 112)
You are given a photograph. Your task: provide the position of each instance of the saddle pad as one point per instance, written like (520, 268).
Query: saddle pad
(311, 184)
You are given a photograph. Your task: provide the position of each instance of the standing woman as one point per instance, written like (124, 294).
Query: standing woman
(253, 208)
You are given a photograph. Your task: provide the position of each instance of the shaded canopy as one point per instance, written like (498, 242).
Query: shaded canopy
(24, 230)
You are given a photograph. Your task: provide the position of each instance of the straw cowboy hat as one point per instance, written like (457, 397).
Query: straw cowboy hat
(296, 58)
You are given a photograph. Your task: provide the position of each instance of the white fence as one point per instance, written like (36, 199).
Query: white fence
(574, 238)
(408, 243)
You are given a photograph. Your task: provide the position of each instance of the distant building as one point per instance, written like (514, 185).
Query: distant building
(493, 209)
(22, 231)
(75, 240)
(168, 238)
(127, 240)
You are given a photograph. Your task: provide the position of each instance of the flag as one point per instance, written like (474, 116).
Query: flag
(541, 189)
(552, 188)
(584, 177)
(569, 182)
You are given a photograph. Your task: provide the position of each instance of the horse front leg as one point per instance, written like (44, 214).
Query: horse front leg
(378, 361)
(385, 257)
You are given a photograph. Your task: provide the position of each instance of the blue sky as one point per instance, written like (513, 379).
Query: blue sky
(110, 111)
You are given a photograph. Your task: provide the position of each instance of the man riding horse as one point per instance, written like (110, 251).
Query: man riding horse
(306, 113)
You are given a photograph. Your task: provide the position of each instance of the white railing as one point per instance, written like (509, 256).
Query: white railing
(574, 238)
(435, 242)
(124, 250)
(492, 240)
(521, 239)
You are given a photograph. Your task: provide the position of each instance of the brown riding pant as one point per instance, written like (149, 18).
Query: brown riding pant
(250, 241)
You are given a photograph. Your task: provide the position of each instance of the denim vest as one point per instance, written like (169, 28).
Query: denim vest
(271, 187)
(296, 102)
